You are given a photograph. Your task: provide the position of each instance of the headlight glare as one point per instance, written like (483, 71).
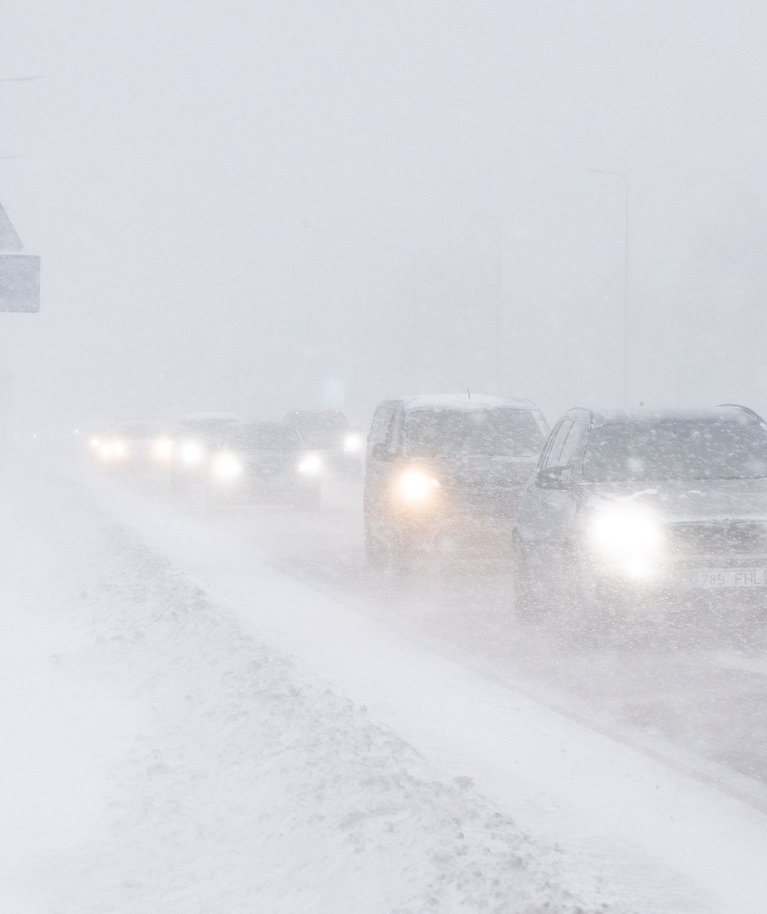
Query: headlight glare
(310, 465)
(192, 453)
(113, 449)
(416, 487)
(162, 450)
(226, 467)
(626, 530)
(353, 443)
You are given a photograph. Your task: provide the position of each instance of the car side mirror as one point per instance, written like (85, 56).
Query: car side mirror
(554, 478)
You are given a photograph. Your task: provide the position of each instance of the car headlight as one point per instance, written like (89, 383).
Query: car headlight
(226, 467)
(626, 531)
(353, 443)
(162, 450)
(416, 487)
(192, 453)
(114, 449)
(310, 465)
(119, 449)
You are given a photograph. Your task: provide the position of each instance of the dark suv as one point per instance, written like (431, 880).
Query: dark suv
(446, 470)
(662, 504)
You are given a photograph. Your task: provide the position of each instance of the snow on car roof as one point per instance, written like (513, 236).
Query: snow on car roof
(462, 401)
(733, 411)
(211, 417)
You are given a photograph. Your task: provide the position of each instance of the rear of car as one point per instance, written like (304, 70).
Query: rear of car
(446, 473)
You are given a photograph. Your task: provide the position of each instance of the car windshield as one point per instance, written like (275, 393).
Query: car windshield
(268, 438)
(322, 430)
(719, 448)
(506, 432)
(207, 429)
(137, 431)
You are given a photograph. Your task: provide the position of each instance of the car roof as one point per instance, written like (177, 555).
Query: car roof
(259, 425)
(211, 417)
(463, 402)
(322, 413)
(727, 411)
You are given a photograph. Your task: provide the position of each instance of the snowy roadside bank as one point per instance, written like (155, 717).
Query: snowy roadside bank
(175, 764)
(656, 837)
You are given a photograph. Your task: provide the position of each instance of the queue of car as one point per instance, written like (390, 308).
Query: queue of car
(607, 513)
(219, 453)
(604, 512)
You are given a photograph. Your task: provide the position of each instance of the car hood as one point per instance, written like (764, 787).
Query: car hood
(474, 471)
(691, 499)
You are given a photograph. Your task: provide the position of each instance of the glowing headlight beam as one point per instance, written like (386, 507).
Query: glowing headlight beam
(353, 443)
(416, 487)
(226, 467)
(621, 530)
(111, 450)
(192, 453)
(162, 450)
(311, 465)
(119, 449)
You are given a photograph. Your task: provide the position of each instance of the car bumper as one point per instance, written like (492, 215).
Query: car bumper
(449, 532)
(679, 578)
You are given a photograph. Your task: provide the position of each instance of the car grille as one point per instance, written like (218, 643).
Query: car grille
(486, 501)
(728, 538)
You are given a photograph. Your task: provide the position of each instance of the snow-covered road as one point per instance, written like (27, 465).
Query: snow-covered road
(265, 728)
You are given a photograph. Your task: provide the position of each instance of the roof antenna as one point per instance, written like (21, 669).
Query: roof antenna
(468, 393)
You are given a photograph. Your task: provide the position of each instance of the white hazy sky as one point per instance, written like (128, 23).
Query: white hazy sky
(238, 201)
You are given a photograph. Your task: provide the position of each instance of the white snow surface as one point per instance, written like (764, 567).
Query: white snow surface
(193, 730)
(158, 758)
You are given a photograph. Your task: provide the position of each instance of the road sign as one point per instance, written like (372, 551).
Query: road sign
(19, 273)
(19, 282)
(9, 240)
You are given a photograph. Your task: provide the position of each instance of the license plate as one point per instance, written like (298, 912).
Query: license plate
(729, 577)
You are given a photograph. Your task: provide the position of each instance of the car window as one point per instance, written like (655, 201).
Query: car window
(676, 449)
(553, 455)
(269, 437)
(396, 430)
(322, 429)
(497, 432)
(570, 446)
(379, 429)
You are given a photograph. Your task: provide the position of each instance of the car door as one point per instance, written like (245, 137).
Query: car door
(548, 507)
(381, 454)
